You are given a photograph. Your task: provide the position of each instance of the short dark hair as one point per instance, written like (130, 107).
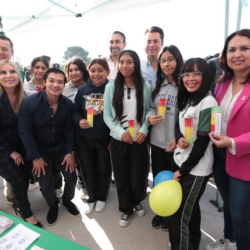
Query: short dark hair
(155, 29)
(56, 71)
(81, 66)
(5, 38)
(184, 97)
(119, 33)
(228, 72)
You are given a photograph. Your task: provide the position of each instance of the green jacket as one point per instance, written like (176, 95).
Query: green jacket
(116, 130)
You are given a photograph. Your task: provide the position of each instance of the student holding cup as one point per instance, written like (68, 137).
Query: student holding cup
(126, 105)
(163, 116)
(93, 145)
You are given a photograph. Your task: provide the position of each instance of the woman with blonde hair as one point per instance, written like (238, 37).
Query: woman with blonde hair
(13, 166)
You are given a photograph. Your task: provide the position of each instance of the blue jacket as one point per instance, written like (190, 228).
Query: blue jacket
(116, 130)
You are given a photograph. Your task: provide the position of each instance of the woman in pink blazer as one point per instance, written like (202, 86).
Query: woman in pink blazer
(232, 148)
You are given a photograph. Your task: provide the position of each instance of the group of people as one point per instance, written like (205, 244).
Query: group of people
(46, 127)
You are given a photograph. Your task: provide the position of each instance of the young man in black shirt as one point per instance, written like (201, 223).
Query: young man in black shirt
(48, 133)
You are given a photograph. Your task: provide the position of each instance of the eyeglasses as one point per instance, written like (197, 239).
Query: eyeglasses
(195, 74)
(169, 60)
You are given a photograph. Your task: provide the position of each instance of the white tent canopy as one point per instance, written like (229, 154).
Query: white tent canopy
(48, 27)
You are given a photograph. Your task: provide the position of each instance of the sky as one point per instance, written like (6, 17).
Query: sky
(196, 27)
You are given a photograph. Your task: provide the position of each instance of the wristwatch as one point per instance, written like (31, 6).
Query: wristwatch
(71, 153)
(37, 159)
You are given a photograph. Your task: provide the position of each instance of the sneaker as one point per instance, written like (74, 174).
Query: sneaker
(84, 194)
(231, 245)
(218, 245)
(59, 193)
(52, 215)
(156, 222)
(124, 220)
(139, 210)
(33, 186)
(89, 208)
(99, 206)
(71, 208)
(10, 201)
(165, 224)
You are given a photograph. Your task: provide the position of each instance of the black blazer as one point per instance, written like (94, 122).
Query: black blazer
(8, 127)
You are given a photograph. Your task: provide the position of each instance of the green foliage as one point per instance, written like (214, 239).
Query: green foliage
(77, 51)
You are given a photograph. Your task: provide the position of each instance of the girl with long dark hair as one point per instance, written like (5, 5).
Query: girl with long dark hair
(126, 105)
(193, 157)
(162, 135)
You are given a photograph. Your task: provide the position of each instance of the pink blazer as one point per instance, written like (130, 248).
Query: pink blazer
(238, 166)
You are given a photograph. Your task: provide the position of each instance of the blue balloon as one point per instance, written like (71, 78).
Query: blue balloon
(163, 176)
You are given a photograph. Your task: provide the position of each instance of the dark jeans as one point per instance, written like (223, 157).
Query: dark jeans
(46, 181)
(239, 202)
(222, 182)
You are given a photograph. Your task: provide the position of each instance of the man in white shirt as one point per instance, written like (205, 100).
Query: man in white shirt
(117, 43)
(154, 38)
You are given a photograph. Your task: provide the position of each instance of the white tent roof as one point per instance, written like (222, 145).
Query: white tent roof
(42, 27)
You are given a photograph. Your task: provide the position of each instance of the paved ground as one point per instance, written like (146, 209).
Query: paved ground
(102, 231)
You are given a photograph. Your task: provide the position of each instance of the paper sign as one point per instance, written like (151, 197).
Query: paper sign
(189, 130)
(131, 127)
(216, 120)
(162, 108)
(90, 116)
(18, 238)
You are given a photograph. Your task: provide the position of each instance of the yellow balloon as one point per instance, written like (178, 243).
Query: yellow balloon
(165, 198)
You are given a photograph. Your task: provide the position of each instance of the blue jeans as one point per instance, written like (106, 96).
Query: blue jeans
(222, 182)
(239, 201)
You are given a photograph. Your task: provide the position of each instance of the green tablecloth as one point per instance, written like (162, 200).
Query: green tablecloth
(47, 240)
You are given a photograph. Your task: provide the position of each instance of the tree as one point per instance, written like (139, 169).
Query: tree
(77, 51)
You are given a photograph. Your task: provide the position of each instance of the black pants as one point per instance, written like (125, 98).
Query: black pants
(56, 175)
(46, 181)
(130, 165)
(161, 160)
(18, 178)
(95, 161)
(184, 231)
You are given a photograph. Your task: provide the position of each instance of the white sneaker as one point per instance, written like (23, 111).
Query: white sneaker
(139, 210)
(218, 245)
(89, 208)
(231, 245)
(99, 206)
(84, 194)
(59, 193)
(124, 220)
(33, 186)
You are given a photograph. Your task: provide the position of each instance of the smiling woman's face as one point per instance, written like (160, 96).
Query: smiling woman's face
(9, 78)
(238, 54)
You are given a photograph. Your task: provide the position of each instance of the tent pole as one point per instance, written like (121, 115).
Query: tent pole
(226, 18)
(239, 15)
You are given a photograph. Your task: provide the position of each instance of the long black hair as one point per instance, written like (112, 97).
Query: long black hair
(119, 88)
(192, 99)
(160, 75)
